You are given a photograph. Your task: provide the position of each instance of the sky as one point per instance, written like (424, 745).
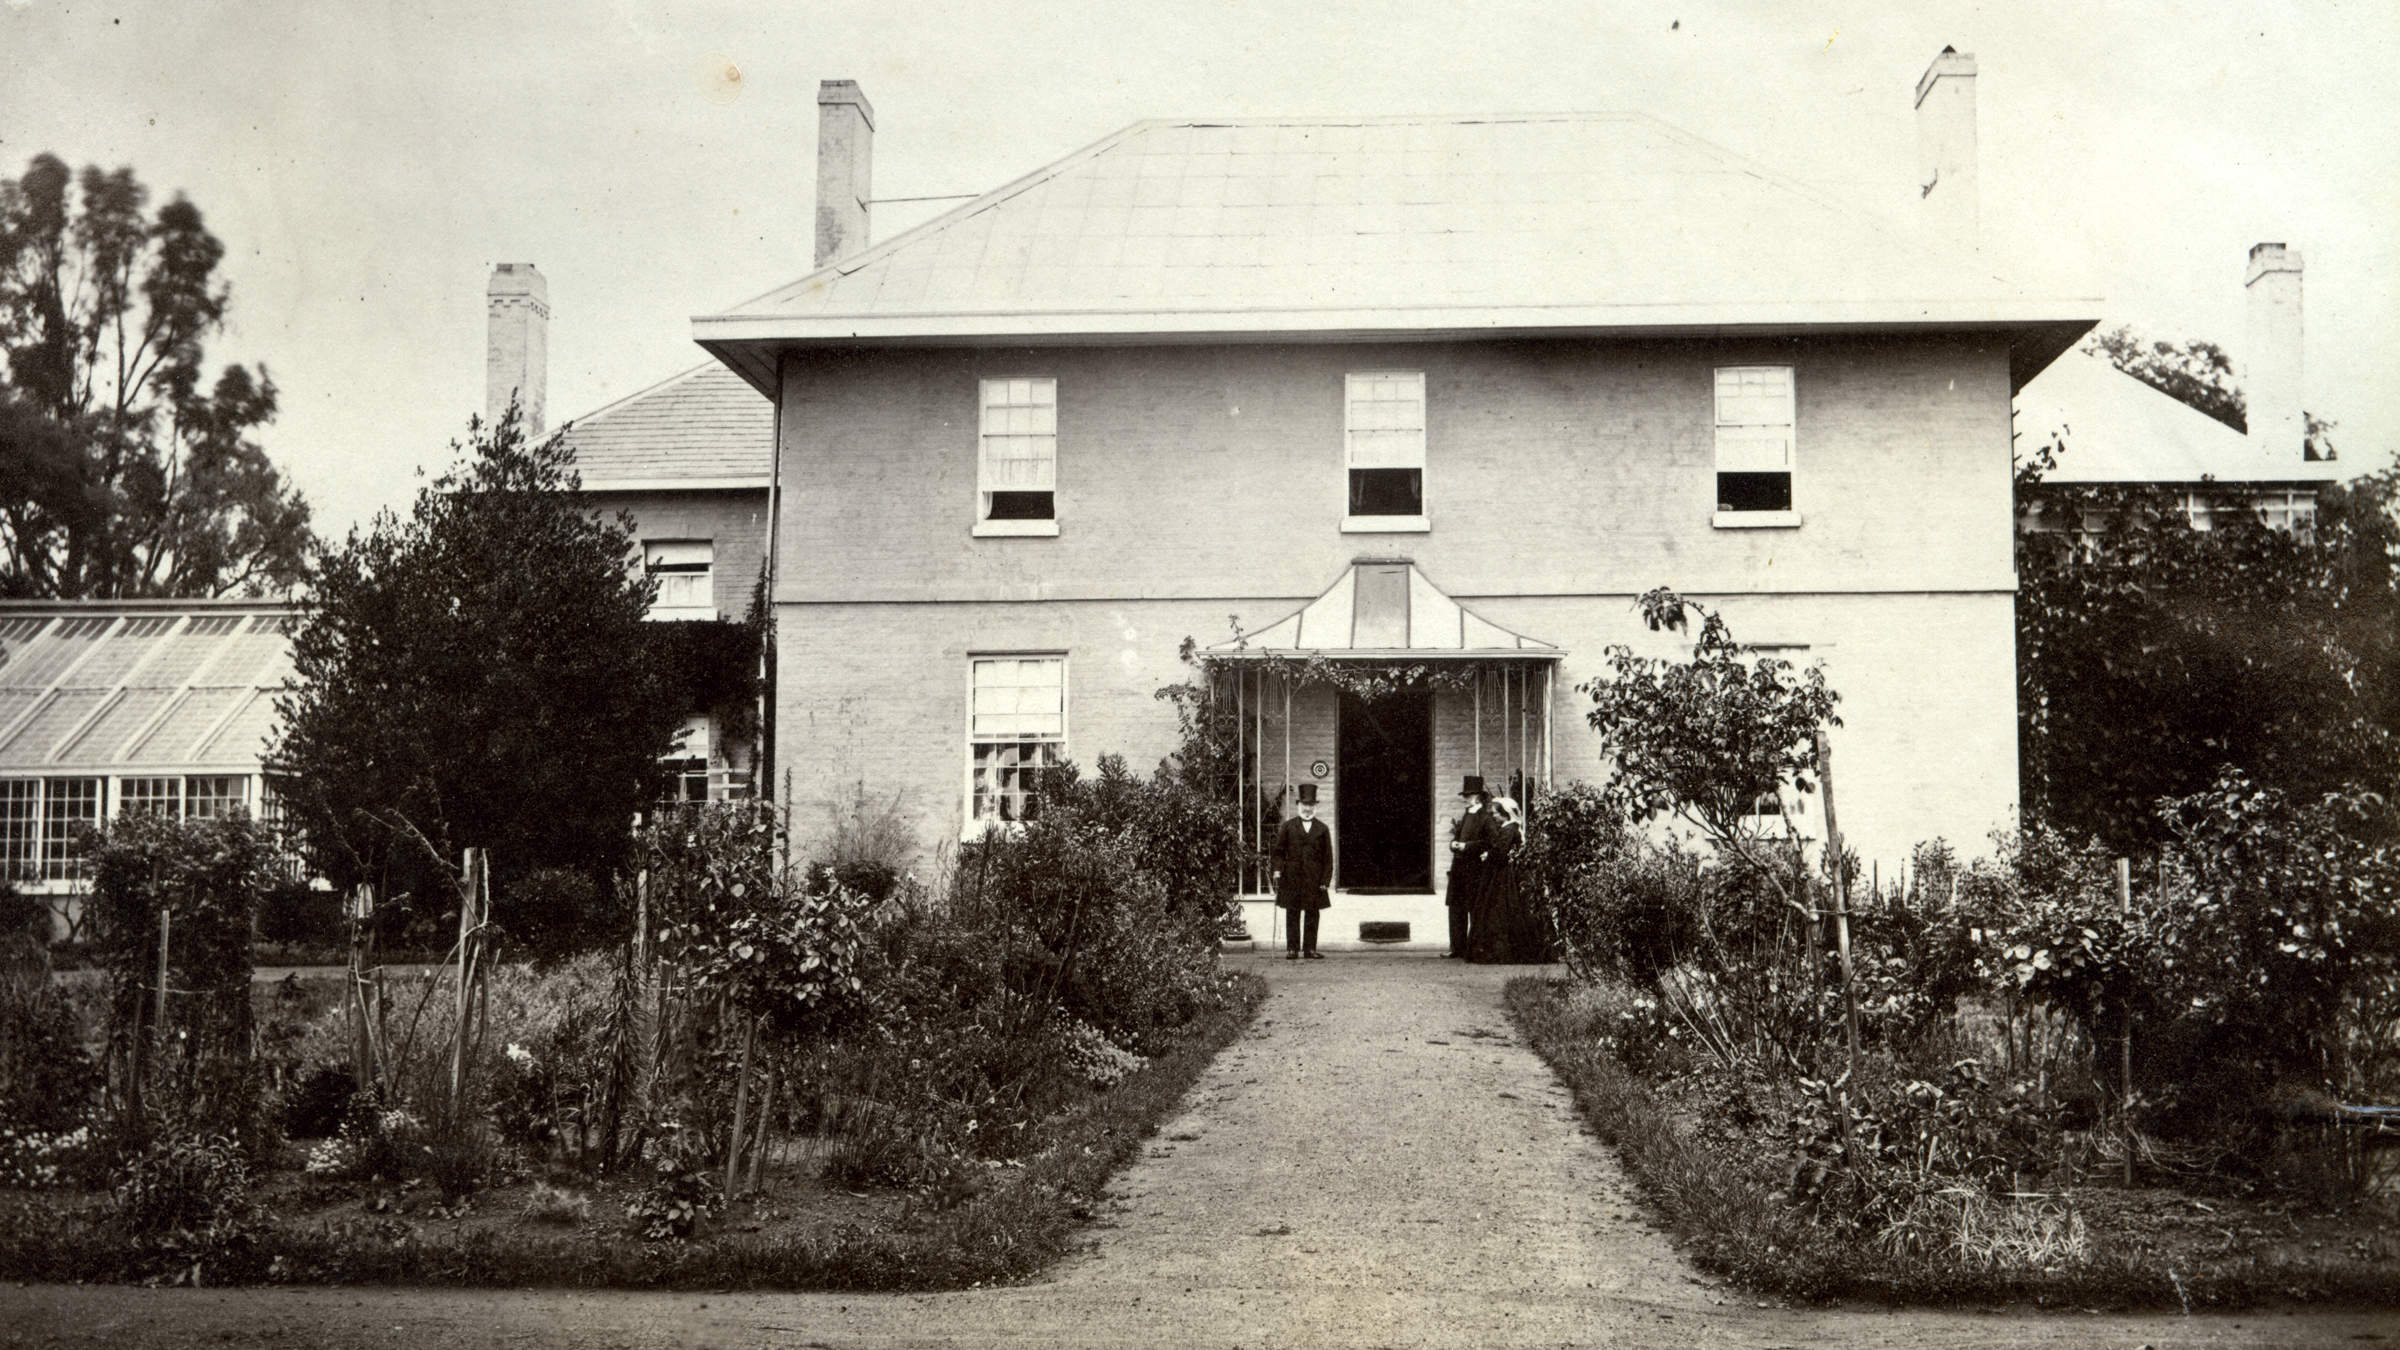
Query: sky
(366, 162)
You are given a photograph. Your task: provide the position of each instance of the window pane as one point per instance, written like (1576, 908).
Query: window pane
(1748, 450)
(1384, 425)
(1006, 774)
(20, 828)
(1754, 492)
(1754, 396)
(1387, 492)
(150, 796)
(1021, 506)
(68, 805)
(213, 797)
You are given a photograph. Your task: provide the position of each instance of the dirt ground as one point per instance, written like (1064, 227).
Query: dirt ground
(1377, 1163)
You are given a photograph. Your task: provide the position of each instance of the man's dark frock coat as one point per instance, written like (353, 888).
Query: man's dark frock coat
(1303, 864)
(1473, 834)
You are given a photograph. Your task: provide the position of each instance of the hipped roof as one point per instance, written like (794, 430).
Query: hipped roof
(131, 687)
(705, 428)
(2115, 428)
(1445, 226)
(1395, 615)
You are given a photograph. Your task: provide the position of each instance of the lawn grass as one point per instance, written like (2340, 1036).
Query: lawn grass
(1731, 1221)
(1024, 1219)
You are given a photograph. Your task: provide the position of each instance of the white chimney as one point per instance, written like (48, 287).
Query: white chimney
(2271, 369)
(516, 359)
(1946, 149)
(845, 150)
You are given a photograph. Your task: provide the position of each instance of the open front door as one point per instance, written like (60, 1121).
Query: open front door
(1383, 794)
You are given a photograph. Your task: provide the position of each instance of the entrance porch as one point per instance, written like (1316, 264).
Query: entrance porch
(1384, 693)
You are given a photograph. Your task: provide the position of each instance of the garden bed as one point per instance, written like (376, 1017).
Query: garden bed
(797, 1232)
(1725, 1187)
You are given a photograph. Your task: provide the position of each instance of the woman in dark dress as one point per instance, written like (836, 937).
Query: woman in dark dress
(1504, 931)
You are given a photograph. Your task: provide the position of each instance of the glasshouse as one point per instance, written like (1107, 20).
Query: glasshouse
(109, 707)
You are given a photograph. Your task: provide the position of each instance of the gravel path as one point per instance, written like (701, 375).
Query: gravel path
(1378, 1162)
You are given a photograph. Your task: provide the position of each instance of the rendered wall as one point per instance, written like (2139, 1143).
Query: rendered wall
(1200, 486)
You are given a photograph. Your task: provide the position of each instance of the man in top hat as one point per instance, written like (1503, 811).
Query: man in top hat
(1470, 841)
(1303, 874)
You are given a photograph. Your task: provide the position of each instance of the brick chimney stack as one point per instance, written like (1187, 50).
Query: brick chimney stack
(2271, 365)
(1946, 149)
(516, 357)
(845, 151)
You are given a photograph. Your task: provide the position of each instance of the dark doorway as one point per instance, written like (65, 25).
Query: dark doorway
(1383, 794)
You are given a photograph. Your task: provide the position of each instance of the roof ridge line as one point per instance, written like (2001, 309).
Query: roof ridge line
(1394, 119)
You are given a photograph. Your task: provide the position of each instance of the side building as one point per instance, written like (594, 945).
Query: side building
(114, 707)
(688, 460)
(2106, 428)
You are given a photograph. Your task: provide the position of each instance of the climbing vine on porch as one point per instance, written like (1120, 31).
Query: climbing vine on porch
(1367, 681)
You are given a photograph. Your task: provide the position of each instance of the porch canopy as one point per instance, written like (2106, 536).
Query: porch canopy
(1380, 628)
(1385, 610)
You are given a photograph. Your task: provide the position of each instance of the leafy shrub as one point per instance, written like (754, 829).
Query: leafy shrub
(682, 1193)
(290, 914)
(23, 916)
(314, 1108)
(185, 1185)
(207, 876)
(1622, 905)
(555, 911)
(47, 1079)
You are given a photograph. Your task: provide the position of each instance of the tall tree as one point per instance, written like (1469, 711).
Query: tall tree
(477, 675)
(125, 469)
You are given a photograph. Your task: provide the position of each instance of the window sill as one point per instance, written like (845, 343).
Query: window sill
(1756, 520)
(1386, 525)
(680, 613)
(1004, 529)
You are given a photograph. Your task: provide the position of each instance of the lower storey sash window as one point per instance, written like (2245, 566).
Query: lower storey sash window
(1006, 775)
(1016, 728)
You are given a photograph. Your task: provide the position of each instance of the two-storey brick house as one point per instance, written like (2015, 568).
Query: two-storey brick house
(1436, 392)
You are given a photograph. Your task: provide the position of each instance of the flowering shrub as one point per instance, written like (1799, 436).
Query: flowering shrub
(1094, 1057)
(375, 1142)
(35, 1160)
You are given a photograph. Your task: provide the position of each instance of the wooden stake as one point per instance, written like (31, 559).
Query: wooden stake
(766, 1122)
(741, 1103)
(2125, 1046)
(470, 924)
(362, 1047)
(158, 1016)
(1841, 932)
